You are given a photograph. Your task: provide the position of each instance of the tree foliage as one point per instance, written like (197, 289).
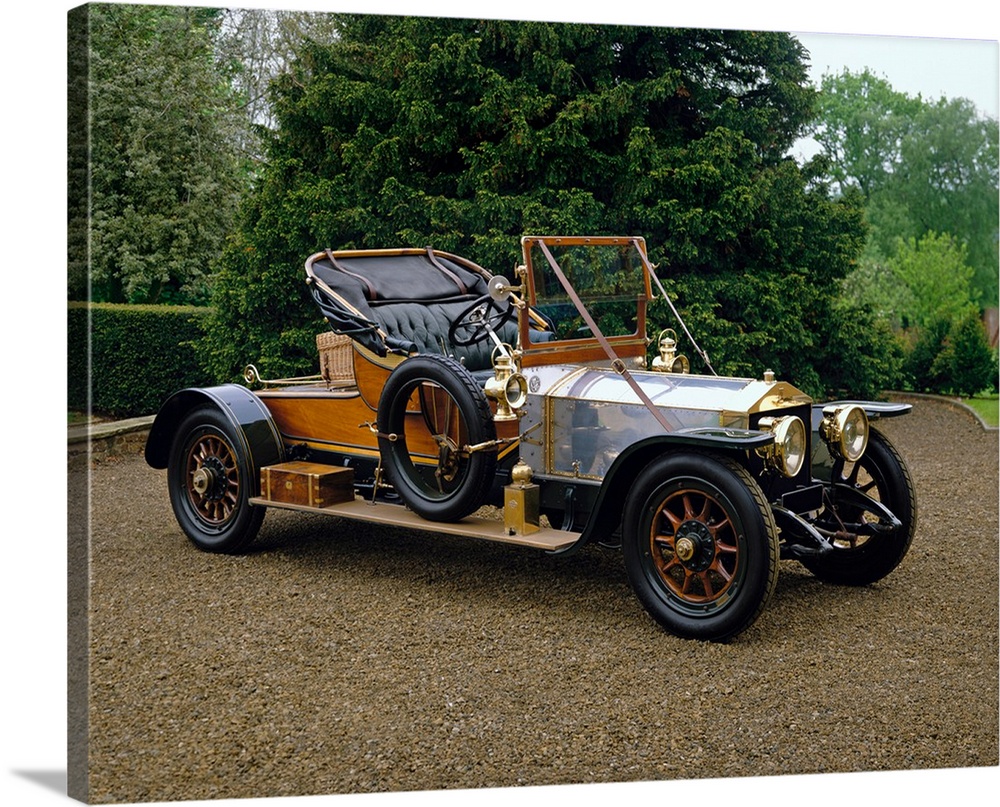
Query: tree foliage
(952, 357)
(466, 134)
(972, 367)
(937, 278)
(948, 183)
(861, 124)
(922, 166)
(252, 47)
(164, 181)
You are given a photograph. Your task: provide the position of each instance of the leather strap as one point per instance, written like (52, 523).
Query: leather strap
(370, 292)
(446, 271)
(616, 363)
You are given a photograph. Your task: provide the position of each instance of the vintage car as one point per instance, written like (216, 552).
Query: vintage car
(457, 402)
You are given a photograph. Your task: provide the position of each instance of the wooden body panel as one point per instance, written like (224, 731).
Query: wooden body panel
(343, 421)
(583, 351)
(331, 421)
(371, 371)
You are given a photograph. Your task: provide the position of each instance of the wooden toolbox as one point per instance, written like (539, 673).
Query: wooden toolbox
(308, 484)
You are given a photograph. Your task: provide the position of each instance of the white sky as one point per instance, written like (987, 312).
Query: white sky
(34, 596)
(930, 67)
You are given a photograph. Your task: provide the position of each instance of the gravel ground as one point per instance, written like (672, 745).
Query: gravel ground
(342, 658)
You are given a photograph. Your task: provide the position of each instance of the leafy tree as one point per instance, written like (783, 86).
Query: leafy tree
(947, 180)
(937, 278)
(968, 357)
(874, 284)
(861, 123)
(466, 134)
(164, 183)
(255, 45)
(923, 369)
(867, 356)
(923, 167)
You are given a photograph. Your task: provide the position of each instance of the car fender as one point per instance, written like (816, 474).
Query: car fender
(610, 503)
(246, 412)
(822, 460)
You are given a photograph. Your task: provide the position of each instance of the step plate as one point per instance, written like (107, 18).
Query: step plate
(396, 515)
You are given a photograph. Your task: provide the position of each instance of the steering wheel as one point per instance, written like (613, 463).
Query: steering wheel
(472, 322)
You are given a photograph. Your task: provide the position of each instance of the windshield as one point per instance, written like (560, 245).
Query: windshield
(606, 274)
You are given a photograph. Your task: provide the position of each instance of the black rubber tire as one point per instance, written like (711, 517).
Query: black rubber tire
(219, 519)
(883, 473)
(720, 509)
(474, 473)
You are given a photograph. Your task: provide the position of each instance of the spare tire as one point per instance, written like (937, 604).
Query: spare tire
(430, 411)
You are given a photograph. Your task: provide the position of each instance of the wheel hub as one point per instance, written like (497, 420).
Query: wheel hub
(208, 481)
(694, 546)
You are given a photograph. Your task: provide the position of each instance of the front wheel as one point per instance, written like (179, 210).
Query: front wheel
(700, 546)
(208, 476)
(862, 553)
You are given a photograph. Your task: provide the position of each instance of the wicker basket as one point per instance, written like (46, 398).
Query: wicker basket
(335, 358)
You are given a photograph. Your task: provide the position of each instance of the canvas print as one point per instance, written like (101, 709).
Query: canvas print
(464, 403)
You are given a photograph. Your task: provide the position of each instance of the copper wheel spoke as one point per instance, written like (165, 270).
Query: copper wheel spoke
(706, 511)
(211, 456)
(664, 540)
(715, 529)
(721, 570)
(688, 509)
(675, 522)
(695, 546)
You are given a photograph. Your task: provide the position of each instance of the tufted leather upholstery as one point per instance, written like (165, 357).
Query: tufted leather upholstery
(426, 325)
(412, 297)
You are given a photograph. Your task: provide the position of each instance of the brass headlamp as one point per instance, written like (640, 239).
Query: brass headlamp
(788, 452)
(845, 430)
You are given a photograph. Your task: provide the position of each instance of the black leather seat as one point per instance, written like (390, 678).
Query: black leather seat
(403, 301)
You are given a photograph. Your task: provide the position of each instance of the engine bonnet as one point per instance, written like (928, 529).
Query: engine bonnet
(591, 414)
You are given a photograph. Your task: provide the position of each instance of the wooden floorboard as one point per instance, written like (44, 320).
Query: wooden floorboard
(398, 516)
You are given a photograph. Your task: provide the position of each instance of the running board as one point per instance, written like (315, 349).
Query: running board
(396, 515)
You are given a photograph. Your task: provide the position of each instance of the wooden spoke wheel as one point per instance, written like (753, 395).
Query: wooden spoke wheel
(864, 551)
(431, 411)
(209, 481)
(694, 546)
(700, 545)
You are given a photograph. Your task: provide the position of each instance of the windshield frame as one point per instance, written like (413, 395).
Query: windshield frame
(628, 347)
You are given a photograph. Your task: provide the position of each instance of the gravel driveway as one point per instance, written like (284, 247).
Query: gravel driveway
(339, 657)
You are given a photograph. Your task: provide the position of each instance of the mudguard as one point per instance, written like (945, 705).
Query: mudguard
(246, 412)
(822, 460)
(606, 513)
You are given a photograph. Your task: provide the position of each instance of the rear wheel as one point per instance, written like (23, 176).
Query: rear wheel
(208, 477)
(700, 546)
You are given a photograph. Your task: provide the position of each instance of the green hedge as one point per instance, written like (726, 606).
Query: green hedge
(139, 355)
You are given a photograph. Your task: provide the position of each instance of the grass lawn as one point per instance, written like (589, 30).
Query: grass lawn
(987, 406)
